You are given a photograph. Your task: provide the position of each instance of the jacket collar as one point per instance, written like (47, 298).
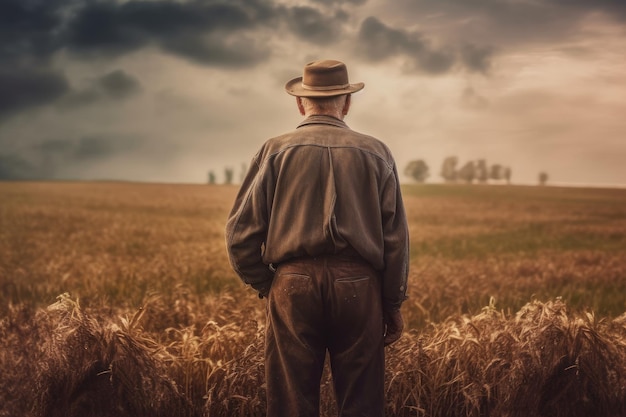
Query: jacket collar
(324, 120)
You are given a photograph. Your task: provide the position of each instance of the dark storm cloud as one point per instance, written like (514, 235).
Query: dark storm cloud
(26, 28)
(207, 32)
(513, 21)
(216, 32)
(31, 31)
(67, 151)
(379, 41)
(217, 50)
(201, 31)
(524, 10)
(210, 32)
(477, 58)
(312, 25)
(614, 8)
(14, 167)
(339, 2)
(23, 88)
(115, 85)
(118, 84)
(96, 148)
(51, 158)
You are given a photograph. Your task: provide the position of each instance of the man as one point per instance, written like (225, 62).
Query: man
(319, 229)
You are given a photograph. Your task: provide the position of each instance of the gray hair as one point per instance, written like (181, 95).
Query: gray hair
(332, 106)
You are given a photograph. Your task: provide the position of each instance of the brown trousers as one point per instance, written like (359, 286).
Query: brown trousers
(324, 304)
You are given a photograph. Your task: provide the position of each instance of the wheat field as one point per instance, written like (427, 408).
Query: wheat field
(118, 300)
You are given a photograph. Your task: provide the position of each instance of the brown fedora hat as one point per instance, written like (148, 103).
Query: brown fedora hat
(325, 78)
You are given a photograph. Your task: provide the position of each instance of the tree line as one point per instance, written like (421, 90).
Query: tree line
(229, 175)
(472, 171)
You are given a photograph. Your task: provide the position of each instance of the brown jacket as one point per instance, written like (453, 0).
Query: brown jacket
(321, 189)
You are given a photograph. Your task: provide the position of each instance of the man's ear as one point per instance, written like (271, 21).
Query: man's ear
(300, 106)
(346, 106)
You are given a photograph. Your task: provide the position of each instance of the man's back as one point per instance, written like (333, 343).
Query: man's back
(326, 189)
(327, 185)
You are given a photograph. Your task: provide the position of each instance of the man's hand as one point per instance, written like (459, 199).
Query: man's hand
(394, 324)
(263, 288)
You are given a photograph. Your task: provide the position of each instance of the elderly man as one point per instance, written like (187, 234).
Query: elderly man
(319, 229)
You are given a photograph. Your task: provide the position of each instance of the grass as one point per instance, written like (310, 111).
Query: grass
(516, 303)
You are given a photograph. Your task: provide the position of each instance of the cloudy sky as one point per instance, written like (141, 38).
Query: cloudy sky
(166, 90)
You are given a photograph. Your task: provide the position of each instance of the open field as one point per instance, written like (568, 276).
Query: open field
(117, 299)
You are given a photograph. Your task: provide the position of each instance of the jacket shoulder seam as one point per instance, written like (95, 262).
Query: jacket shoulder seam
(388, 164)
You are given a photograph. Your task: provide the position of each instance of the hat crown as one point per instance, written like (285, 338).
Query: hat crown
(325, 75)
(325, 78)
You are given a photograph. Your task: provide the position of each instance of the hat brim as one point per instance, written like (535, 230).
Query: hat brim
(294, 87)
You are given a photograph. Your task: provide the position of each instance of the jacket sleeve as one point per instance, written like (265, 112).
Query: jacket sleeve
(396, 239)
(246, 231)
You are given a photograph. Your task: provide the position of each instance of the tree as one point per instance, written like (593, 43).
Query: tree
(543, 178)
(496, 172)
(417, 170)
(507, 175)
(228, 175)
(448, 169)
(482, 175)
(211, 177)
(468, 172)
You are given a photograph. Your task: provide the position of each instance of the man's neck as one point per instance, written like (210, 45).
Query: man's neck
(336, 116)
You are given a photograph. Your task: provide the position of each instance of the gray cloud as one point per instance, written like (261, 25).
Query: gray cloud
(523, 10)
(183, 29)
(208, 32)
(472, 100)
(477, 58)
(231, 34)
(25, 88)
(63, 151)
(14, 167)
(77, 99)
(86, 56)
(340, 2)
(312, 25)
(120, 85)
(52, 158)
(34, 30)
(235, 51)
(513, 21)
(26, 30)
(115, 85)
(218, 33)
(614, 8)
(379, 41)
